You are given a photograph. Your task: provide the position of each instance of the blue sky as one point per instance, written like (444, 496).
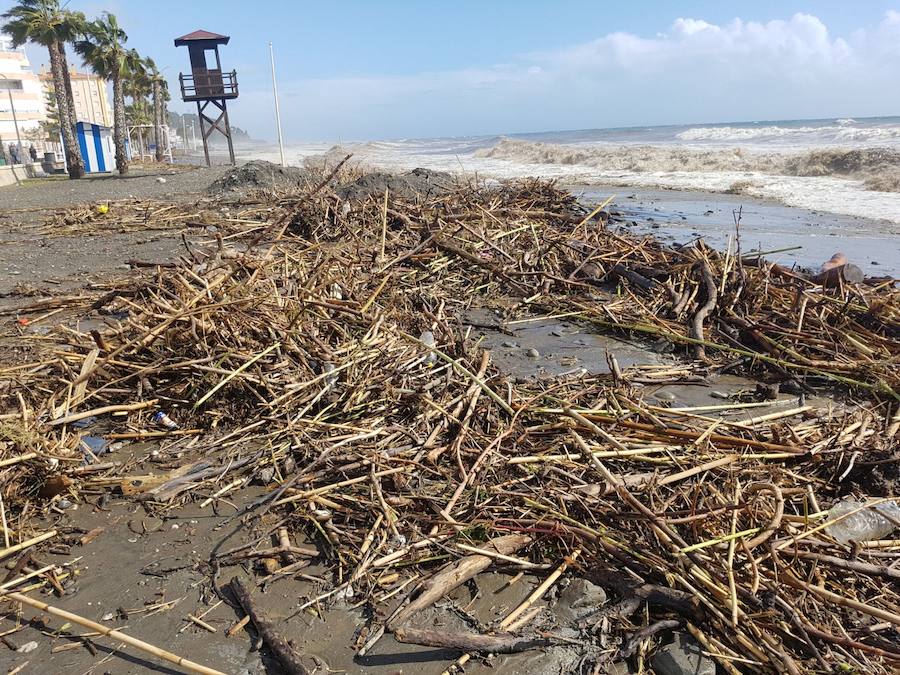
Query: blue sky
(366, 70)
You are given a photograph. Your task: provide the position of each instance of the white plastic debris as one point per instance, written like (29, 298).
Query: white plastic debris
(427, 339)
(332, 378)
(27, 647)
(344, 594)
(864, 525)
(164, 420)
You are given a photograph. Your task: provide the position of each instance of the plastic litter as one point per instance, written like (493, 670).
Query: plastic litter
(864, 525)
(427, 339)
(164, 420)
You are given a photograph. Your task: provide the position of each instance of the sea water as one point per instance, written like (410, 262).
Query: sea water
(846, 166)
(842, 174)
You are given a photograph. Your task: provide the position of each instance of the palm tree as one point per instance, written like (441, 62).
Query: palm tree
(71, 28)
(45, 23)
(138, 115)
(136, 86)
(105, 53)
(158, 85)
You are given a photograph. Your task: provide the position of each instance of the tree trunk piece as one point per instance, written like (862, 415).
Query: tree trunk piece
(74, 162)
(67, 78)
(712, 296)
(119, 124)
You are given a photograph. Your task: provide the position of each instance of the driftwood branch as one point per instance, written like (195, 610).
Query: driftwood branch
(287, 657)
(503, 643)
(639, 280)
(457, 574)
(712, 296)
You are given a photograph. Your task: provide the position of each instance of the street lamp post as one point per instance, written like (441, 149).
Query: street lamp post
(277, 111)
(9, 90)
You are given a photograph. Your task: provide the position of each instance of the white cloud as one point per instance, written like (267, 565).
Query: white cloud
(695, 71)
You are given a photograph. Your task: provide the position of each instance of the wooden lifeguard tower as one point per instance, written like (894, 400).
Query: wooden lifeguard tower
(208, 85)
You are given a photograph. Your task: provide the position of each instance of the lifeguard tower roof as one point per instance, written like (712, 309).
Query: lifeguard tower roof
(201, 36)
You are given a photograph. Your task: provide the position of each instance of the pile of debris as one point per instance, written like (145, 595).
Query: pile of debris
(320, 351)
(259, 175)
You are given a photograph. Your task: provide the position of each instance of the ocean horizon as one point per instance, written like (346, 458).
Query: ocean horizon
(848, 166)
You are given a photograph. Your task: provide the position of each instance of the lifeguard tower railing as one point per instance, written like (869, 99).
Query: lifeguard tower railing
(208, 85)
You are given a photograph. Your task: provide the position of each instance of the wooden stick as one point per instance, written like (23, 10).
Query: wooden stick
(16, 460)
(503, 643)
(287, 657)
(538, 592)
(457, 574)
(384, 215)
(25, 544)
(114, 634)
(3, 522)
(235, 629)
(510, 623)
(74, 417)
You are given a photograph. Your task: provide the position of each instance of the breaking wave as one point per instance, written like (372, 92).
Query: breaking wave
(879, 168)
(843, 132)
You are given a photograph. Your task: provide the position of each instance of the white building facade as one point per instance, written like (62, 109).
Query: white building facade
(17, 78)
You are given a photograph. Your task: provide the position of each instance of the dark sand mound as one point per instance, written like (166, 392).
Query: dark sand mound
(418, 183)
(259, 175)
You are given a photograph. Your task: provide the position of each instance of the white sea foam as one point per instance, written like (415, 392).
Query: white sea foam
(841, 132)
(842, 166)
(742, 133)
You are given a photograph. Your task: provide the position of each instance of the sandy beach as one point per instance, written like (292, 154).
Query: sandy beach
(156, 565)
(449, 338)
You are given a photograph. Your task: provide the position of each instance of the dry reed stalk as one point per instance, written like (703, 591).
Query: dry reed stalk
(145, 647)
(285, 351)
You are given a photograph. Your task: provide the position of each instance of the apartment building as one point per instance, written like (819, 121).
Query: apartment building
(18, 79)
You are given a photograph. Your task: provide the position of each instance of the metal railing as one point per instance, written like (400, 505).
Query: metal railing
(211, 84)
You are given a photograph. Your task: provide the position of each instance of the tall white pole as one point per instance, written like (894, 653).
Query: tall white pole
(277, 111)
(12, 107)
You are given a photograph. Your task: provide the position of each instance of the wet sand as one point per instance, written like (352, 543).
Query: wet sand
(145, 559)
(151, 568)
(681, 217)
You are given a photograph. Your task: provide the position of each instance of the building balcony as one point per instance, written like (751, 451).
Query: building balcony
(207, 85)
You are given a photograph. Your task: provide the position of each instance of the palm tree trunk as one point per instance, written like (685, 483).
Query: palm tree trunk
(70, 145)
(119, 124)
(157, 120)
(67, 78)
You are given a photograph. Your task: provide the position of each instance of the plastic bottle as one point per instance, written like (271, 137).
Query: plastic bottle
(164, 420)
(427, 339)
(866, 524)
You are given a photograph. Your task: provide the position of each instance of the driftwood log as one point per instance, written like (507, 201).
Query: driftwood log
(287, 657)
(833, 276)
(639, 280)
